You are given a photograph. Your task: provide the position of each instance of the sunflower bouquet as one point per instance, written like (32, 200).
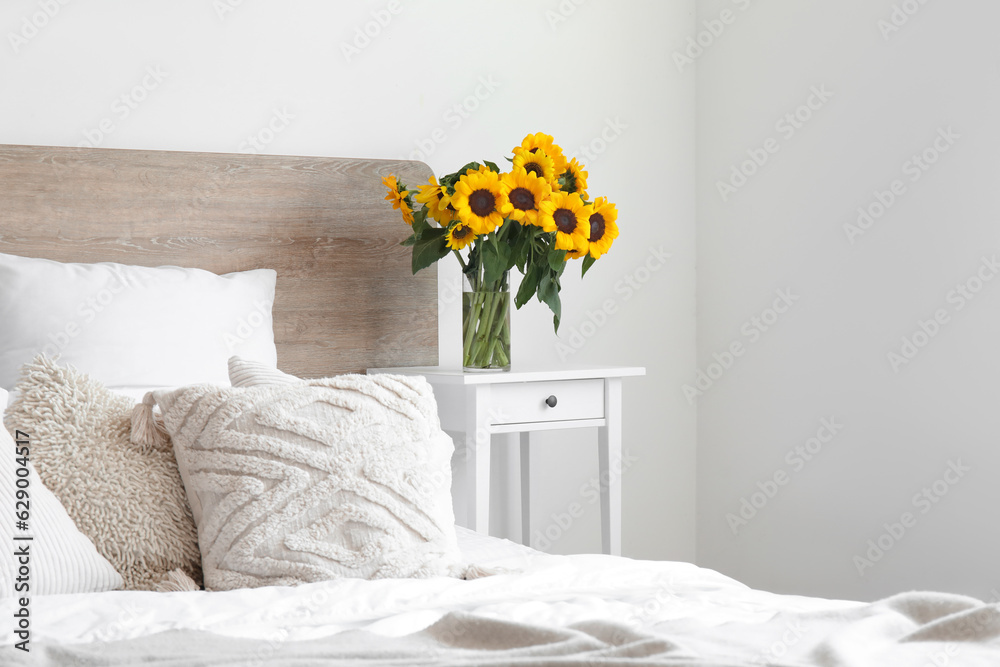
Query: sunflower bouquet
(537, 217)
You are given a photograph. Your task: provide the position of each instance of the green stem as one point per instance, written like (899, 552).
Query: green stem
(504, 335)
(495, 339)
(486, 329)
(470, 328)
(473, 314)
(482, 336)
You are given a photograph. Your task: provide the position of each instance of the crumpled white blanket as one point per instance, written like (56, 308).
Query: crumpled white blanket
(683, 614)
(911, 629)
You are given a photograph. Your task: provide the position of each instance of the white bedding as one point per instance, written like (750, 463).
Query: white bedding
(543, 589)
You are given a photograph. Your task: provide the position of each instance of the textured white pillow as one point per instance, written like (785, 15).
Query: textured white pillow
(127, 498)
(61, 558)
(132, 325)
(319, 479)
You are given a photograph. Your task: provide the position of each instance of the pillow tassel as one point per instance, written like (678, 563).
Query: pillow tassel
(148, 431)
(176, 581)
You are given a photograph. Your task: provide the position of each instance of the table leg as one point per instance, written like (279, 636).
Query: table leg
(525, 489)
(609, 454)
(477, 452)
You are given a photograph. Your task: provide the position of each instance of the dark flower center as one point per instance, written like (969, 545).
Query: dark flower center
(535, 168)
(482, 203)
(460, 232)
(596, 227)
(565, 220)
(522, 199)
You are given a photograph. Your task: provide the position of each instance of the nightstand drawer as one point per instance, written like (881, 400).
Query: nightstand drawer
(525, 402)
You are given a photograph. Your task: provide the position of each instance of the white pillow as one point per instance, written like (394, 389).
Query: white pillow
(60, 558)
(345, 477)
(3, 401)
(132, 325)
(244, 373)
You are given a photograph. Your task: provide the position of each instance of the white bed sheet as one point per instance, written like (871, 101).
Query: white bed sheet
(541, 588)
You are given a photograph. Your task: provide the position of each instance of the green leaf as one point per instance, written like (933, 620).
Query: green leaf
(410, 240)
(557, 260)
(449, 180)
(495, 259)
(431, 247)
(528, 286)
(548, 293)
(515, 244)
(492, 165)
(588, 261)
(521, 256)
(420, 224)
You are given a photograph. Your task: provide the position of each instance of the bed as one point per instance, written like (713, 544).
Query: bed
(344, 300)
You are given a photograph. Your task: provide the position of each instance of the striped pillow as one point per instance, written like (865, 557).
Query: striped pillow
(244, 373)
(61, 558)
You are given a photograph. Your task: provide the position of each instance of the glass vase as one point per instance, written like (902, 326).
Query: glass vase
(486, 326)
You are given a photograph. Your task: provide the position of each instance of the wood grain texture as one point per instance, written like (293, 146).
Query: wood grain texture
(346, 299)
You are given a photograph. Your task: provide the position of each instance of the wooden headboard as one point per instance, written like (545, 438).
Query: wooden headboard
(346, 299)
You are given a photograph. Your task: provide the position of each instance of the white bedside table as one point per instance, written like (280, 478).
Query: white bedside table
(520, 401)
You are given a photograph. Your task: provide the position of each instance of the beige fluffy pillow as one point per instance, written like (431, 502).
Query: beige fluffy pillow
(320, 479)
(128, 500)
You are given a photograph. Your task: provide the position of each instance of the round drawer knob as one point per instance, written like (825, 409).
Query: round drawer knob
(551, 401)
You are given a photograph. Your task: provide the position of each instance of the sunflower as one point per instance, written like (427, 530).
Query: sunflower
(544, 142)
(477, 200)
(445, 215)
(459, 236)
(574, 179)
(437, 200)
(398, 195)
(523, 193)
(565, 214)
(603, 226)
(538, 163)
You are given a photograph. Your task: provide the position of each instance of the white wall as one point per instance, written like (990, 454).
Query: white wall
(564, 67)
(827, 357)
